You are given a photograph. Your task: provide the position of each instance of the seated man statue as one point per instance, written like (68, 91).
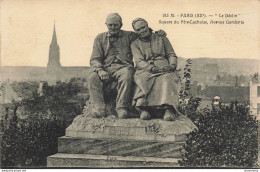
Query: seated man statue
(155, 75)
(112, 61)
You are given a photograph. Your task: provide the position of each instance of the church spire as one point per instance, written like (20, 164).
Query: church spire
(54, 37)
(54, 52)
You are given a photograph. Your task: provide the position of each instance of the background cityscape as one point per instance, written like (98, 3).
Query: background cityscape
(226, 78)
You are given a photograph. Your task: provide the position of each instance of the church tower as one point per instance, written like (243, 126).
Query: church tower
(54, 53)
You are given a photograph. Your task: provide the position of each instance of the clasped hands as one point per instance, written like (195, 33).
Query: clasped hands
(166, 68)
(103, 75)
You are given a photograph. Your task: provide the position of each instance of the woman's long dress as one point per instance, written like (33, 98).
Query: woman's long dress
(154, 90)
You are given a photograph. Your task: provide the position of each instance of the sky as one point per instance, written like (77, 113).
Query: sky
(27, 27)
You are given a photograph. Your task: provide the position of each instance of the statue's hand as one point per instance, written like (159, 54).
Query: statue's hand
(169, 68)
(157, 69)
(161, 33)
(103, 75)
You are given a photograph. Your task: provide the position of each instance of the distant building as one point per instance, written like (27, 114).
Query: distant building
(227, 94)
(229, 80)
(255, 95)
(195, 89)
(56, 72)
(54, 53)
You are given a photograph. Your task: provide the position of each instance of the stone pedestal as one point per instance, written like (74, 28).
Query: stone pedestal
(112, 142)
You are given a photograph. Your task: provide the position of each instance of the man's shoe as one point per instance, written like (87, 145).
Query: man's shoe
(145, 115)
(169, 115)
(122, 113)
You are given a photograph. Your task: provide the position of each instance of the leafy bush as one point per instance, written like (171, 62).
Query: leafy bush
(226, 137)
(191, 109)
(27, 142)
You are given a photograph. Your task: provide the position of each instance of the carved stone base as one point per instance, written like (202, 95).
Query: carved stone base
(113, 142)
(132, 128)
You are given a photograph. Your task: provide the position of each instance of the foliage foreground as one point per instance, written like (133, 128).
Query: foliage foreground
(30, 128)
(226, 137)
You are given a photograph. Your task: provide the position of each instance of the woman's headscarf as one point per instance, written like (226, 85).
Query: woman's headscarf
(138, 19)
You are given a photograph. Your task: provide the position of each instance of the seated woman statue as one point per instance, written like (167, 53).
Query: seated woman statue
(155, 76)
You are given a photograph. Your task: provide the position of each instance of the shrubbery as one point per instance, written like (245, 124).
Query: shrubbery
(27, 142)
(226, 137)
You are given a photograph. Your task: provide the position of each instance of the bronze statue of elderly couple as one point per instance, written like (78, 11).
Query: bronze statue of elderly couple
(143, 66)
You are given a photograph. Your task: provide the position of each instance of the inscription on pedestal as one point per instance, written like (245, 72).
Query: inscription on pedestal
(111, 158)
(124, 131)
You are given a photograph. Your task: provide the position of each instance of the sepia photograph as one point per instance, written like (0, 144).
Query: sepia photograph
(104, 84)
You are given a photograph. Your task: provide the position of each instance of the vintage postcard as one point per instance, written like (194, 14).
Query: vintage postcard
(130, 84)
